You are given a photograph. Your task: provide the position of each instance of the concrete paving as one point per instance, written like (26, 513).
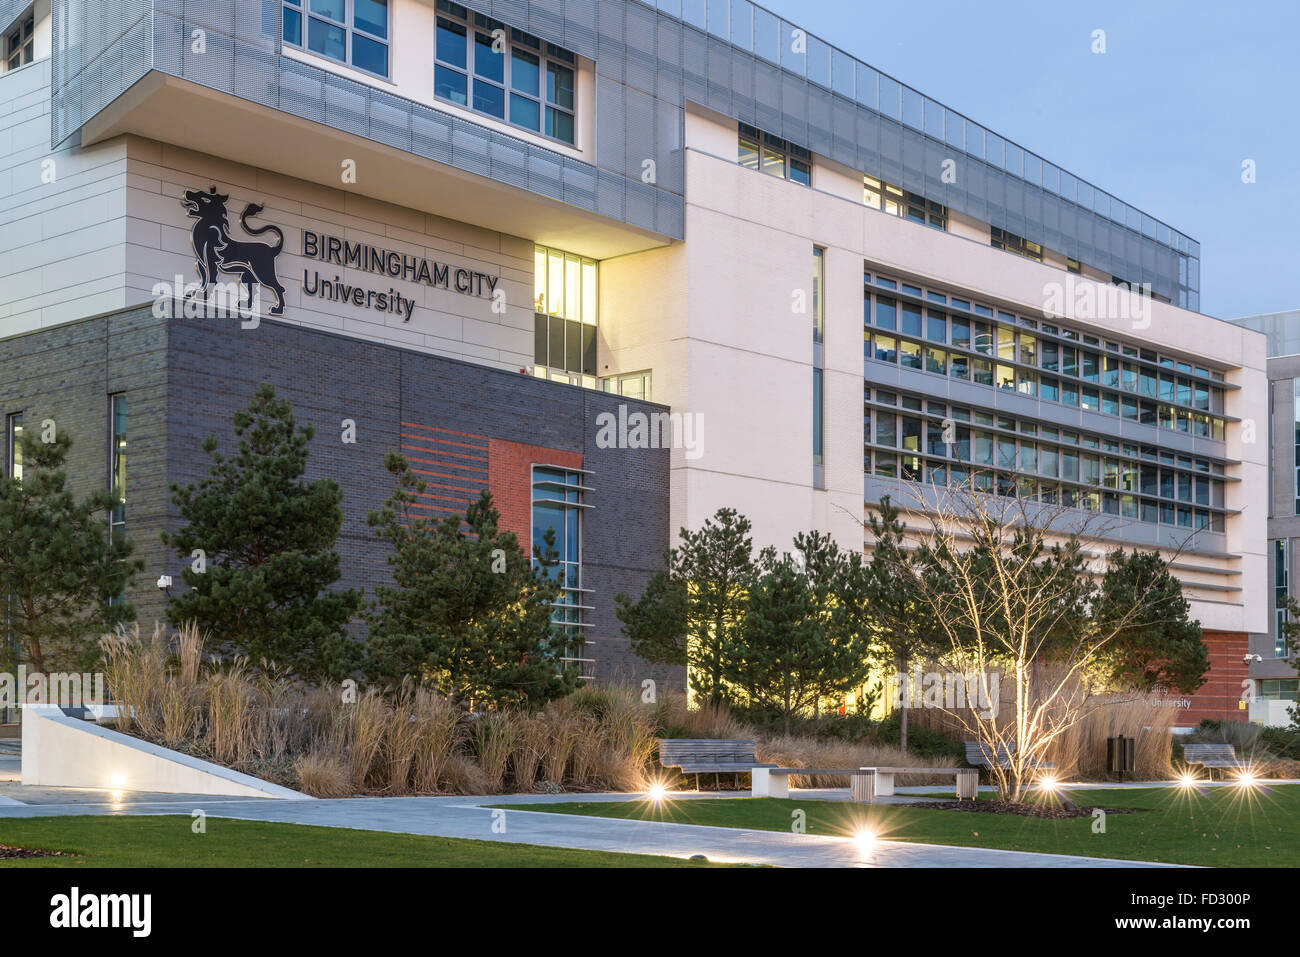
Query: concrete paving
(468, 817)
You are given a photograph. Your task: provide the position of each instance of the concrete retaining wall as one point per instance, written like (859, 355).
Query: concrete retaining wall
(59, 751)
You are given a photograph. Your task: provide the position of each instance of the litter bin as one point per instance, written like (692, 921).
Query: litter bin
(1121, 755)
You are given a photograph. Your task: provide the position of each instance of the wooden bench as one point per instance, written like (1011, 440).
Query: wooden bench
(978, 755)
(771, 781)
(968, 780)
(1210, 756)
(709, 755)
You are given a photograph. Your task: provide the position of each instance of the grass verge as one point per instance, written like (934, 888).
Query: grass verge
(167, 841)
(1215, 827)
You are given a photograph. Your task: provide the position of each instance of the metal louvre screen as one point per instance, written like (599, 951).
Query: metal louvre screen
(651, 57)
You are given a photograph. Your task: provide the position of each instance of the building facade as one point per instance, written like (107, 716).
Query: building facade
(1273, 669)
(691, 208)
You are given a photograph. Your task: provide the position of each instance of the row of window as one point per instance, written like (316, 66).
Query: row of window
(1047, 330)
(479, 63)
(995, 452)
(941, 474)
(914, 355)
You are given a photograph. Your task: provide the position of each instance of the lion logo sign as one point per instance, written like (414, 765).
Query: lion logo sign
(215, 252)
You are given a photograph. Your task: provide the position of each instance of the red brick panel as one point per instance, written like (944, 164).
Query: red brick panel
(510, 472)
(454, 465)
(1220, 696)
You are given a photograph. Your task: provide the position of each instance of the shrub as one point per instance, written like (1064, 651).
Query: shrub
(323, 774)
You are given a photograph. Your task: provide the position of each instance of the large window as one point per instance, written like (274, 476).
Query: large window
(895, 201)
(117, 464)
(1281, 590)
(20, 41)
(558, 505)
(355, 32)
(512, 76)
(565, 317)
(1296, 394)
(774, 156)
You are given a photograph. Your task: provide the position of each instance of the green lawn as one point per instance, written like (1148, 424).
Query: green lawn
(167, 841)
(1220, 827)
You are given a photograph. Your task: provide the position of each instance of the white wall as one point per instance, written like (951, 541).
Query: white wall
(725, 301)
(59, 751)
(444, 321)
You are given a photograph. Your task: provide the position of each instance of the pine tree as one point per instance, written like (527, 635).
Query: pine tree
(469, 612)
(1159, 646)
(262, 586)
(62, 575)
(804, 636)
(693, 611)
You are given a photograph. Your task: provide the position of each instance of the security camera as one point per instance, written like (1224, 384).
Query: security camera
(1249, 658)
(165, 582)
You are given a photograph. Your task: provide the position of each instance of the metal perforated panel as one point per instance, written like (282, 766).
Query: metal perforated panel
(651, 58)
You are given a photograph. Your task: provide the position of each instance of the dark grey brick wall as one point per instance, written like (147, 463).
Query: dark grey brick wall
(67, 374)
(214, 367)
(185, 378)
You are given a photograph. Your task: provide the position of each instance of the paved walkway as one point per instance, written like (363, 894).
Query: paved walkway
(467, 817)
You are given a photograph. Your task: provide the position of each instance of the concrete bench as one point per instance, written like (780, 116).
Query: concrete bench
(775, 782)
(968, 780)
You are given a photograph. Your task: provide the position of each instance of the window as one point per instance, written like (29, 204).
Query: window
(1001, 239)
(1284, 689)
(891, 199)
(564, 317)
(818, 423)
(1296, 393)
(1281, 590)
(20, 42)
(774, 156)
(354, 32)
(14, 446)
(117, 464)
(558, 504)
(819, 294)
(630, 385)
(506, 74)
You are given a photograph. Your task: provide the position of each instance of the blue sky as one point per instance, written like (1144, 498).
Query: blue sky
(1164, 119)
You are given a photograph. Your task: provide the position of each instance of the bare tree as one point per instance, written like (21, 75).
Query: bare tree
(1009, 583)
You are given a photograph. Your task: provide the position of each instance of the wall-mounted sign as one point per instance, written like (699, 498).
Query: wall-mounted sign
(388, 263)
(217, 252)
(253, 263)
